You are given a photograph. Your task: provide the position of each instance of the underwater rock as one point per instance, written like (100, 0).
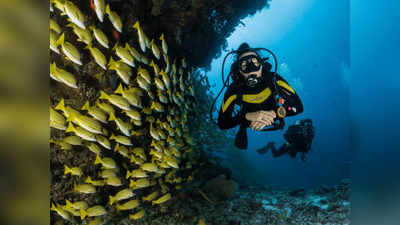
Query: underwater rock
(297, 192)
(221, 188)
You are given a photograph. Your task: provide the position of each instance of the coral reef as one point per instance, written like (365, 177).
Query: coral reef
(257, 205)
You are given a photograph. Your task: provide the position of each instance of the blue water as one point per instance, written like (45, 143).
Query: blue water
(311, 41)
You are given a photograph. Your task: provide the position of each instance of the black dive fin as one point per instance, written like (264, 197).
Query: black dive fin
(241, 138)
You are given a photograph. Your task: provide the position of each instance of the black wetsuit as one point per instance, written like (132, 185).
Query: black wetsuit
(255, 99)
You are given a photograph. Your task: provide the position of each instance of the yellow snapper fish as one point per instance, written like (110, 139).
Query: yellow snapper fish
(156, 153)
(105, 107)
(95, 112)
(114, 18)
(159, 84)
(62, 76)
(123, 70)
(162, 134)
(123, 54)
(113, 181)
(128, 205)
(142, 83)
(64, 214)
(157, 145)
(106, 162)
(73, 211)
(124, 127)
(151, 94)
(86, 122)
(59, 4)
(137, 215)
(145, 74)
(184, 65)
(157, 106)
(173, 69)
(89, 180)
(136, 123)
(144, 59)
(53, 39)
(134, 53)
(116, 100)
(155, 49)
(73, 140)
(97, 210)
(164, 44)
(93, 147)
(121, 139)
(83, 34)
(138, 151)
(84, 188)
(150, 167)
(133, 114)
(136, 160)
(142, 40)
(121, 195)
(137, 173)
(100, 36)
(166, 80)
(122, 150)
(100, 9)
(170, 160)
(98, 56)
(191, 91)
(69, 50)
(62, 144)
(180, 71)
(153, 132)
(182, 84)
(162, 97)
(175, 98)
(168, 65)
(155, 67)
(76, 205)
(139, 183)
(54, 26)
(95, 221)
(107, 173)
(201, 222)
(103, 141)
(83, 133)
(162, 199)
(74, 14)
(57, 120)
(131, 96)
(151, 196)
(75, 171)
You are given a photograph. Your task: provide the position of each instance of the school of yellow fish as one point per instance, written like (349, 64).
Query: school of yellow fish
(151, 101)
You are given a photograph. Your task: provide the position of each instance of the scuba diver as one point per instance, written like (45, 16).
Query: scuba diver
(299, 137)
(263, 96)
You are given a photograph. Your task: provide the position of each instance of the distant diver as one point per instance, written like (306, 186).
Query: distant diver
(263, 96)
(299, 137)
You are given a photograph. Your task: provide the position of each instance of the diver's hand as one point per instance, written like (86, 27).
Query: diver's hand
(266, 117)
(256, 125)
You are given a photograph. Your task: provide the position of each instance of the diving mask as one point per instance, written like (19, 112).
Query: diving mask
(250, 63)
